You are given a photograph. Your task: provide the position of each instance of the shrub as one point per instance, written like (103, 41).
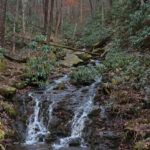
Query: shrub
(40, 38)
(2, 50)
(93, 32)
(39, 69)
(84, 75)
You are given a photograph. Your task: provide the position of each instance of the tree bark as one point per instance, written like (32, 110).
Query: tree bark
(50, 21)
(23, 16)
(3, 4)
(14, 27)
(91, 6)
(45, 10)
(58, 17)
(81, 11)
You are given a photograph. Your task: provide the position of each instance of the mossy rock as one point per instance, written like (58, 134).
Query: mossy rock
(142, 145)
(141, 127)
(20, 85)
(2, 132)
(2, 147)
(84, 56)
(9, 109)
(52, 56)
(7, 90)
(71, 60)
(3, 65)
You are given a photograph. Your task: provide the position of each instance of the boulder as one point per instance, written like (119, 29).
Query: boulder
(71, 60)
(84, 56)
(7, 90)
(19, 85)
(75, 142)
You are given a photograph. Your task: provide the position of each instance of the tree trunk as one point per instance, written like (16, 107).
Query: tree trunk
(3, 4)
(23, 16)
(81, 11)
(142, 2)
(91, 6)
(58, 17)
(14, 27)
(103, 13)
(45, 10)
(50, 21)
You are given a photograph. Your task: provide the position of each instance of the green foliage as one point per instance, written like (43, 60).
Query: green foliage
(9, 109)
(130, 19)
(40, 38)
(68, 30)
(2, 132)
(33, 45)
(2, 50)
(39, 68)
(84, 75)
(116, 59)
(141, 39)
(93, 32)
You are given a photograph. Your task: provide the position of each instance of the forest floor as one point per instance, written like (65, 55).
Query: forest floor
(128, 108)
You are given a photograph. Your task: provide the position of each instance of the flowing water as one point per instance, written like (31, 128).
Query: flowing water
(68, 108)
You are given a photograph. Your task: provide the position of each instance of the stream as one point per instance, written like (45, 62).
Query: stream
(57, 116)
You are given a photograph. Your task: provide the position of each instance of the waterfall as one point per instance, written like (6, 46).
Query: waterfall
(36, 129)
(80, 100)
(78, 122)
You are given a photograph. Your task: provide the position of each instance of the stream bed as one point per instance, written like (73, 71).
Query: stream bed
(57, 117)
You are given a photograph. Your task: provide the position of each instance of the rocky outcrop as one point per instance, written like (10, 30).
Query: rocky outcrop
(7, 91)
(71, 60)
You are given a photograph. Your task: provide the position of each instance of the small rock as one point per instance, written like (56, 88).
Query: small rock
(75, 142)
(84, 56)
(7, 90)
(95, 112)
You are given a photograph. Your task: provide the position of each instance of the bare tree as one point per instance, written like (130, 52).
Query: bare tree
(14, 26)
(24, 2)
(3, 4)
(45, 10)
(50, 21)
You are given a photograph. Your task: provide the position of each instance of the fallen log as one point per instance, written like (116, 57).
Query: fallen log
(102, 43)
(13, 59)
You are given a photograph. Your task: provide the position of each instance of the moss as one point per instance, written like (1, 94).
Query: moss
(142, 145)
(9, 109)
(7, 90)
(2, 132)
(2, 147)
(2, 65)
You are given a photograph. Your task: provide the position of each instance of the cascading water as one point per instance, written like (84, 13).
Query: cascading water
(78, 121)
(36, 129)
(35, 126)
(48, 103)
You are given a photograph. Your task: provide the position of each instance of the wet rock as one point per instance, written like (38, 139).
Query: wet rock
(95, 112)
(55, 122)
(61, 86)
(109, 135)
(7, 90)
(50, 138)
(71, 60)
(75, 142)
